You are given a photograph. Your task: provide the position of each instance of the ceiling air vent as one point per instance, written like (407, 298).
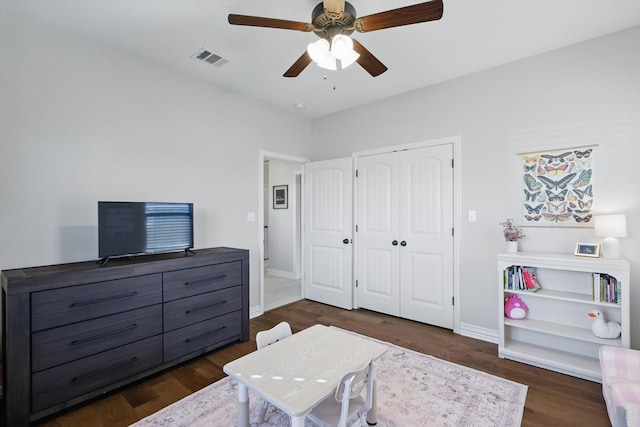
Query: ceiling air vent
(207, 56)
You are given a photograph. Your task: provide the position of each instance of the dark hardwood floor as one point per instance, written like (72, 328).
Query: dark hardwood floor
(552, 399)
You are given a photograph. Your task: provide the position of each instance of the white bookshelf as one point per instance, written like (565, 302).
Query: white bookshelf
(556, 334)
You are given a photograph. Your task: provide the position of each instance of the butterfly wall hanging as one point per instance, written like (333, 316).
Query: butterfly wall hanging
(558, 188)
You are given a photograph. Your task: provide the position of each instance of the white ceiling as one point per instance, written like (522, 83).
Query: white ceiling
(473, 35)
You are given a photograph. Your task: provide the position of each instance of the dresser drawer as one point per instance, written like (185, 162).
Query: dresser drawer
(194, 281)
(58, 307)
(203, 336)
(67, 343)
(62, 383)
(194, 309)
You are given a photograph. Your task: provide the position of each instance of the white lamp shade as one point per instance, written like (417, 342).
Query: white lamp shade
(349, 59)
(321, 55)
(328, 62)
(318, 50)
(610, 225)
(341, 46)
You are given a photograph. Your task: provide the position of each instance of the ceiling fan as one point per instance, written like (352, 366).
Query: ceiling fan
(333, 21)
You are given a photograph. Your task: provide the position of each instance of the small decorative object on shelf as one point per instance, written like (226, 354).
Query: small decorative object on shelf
(511, 246)
(511, 234)
(515, 308)
(588, 249)
(603, 329)
(610, 227)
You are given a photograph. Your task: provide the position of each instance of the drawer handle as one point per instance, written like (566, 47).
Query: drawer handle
(207, 280)
(205, 307)
(105, 370)
(105, 299)
(105, 334)
(205, 334)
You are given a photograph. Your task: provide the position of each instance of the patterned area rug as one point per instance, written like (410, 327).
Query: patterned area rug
(413, 390)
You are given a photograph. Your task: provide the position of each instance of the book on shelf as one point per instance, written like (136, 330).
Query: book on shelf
(531, 279)
(606, 288)
(521, 278)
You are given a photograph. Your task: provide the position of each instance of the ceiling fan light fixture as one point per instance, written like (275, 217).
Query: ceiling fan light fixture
(321, 55)
(318, 50)
(328, 63)
(341, 46)
(349, 59)
(333, 21)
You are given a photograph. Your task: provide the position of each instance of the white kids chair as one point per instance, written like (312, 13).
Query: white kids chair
(352, 400)
(264, 338)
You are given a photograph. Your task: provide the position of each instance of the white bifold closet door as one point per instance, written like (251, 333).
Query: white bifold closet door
(405, 234)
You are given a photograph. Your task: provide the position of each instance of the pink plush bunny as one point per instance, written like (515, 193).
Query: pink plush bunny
(515, 308)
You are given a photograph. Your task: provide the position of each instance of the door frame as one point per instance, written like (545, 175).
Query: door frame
(298, 179)
(456, 143)
(270, 155)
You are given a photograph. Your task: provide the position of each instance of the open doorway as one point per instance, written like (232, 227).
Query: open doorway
(282, 230)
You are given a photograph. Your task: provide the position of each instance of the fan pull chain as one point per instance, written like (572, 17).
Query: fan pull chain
(325, 78)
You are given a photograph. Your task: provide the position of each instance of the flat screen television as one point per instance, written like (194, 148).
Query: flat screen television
(133, 228)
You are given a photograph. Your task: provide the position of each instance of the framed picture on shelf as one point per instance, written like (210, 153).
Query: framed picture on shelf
(280, 197)
(588, 249)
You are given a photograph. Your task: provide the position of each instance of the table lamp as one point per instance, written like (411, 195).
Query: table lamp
(610, 227)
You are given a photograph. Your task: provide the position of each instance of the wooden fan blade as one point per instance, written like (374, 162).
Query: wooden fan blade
(334, 6)
(258, 21)
(421, 12)
(297, 67)
(368, 61)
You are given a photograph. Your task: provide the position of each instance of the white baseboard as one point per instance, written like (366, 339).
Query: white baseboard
(482, 334)
(255, 311)
(467, 330)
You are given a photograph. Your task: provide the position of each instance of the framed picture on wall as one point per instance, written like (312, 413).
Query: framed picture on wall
(280, 197)
(558, 187)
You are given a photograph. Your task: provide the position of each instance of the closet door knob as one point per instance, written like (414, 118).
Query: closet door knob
(394, 243)
(345, 241)
(403, 243)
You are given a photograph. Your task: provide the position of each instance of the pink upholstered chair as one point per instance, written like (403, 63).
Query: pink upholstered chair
(620, 368)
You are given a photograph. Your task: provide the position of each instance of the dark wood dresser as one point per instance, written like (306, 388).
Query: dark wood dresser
(72, 332)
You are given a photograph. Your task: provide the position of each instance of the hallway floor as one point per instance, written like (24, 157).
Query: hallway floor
(279, 291)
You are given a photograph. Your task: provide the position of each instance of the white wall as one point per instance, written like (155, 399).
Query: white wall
(282, 221)
(585, 94)
(82, 122)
